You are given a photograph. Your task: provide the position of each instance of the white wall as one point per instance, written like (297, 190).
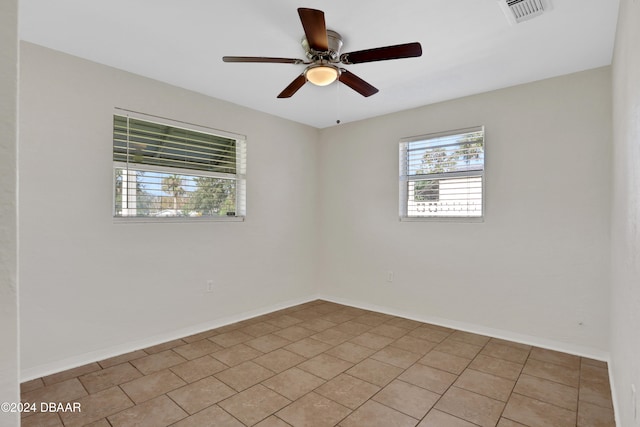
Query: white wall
(537, 266)
(9, 389)
(625, 216)
(91, 287)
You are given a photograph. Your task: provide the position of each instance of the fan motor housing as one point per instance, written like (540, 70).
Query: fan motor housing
(334, 41)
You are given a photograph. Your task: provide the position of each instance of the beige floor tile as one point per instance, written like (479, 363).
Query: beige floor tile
(427, 333)
(152, 385)
(158, 361)
(279, 360)
(472, 407)
(197, 349)
(458, 348)
(117, 360)
(593, 374)
(396, 357)
(390, 331)
(201, 394)
(445, 361)
(213, 416)
(372, 319)
(339, 316)
(272, 421)
(100, 423)
(373, 414)
(237, 354)
(317, 325)
(407, 324)
(414, 345)
(548, 391)
(375, 372)
(353, 328)
(376, 342)
(108, 377)
(427, 377)
(164, 346)
(244, 375)
(407, 398)
(97, 406)
(437, 418)
(439, 328)
(197, 369)
(590, 415)
(593, 362)
(28, 386)
(518, 345)
(506, 352)
(596, 393)
(552, 372)
(70, 373)
(470, 338)
(293, 383)
(65, 391)
(504, 422)
(313, 410)
(294, 333)
(556, 357)
(499, 367)
(259, 329)
(254, 404)
(308, 347)
(160, 411)
(332, 336)
(347, 390)
(529, 411)
(325, 366)
(201, 336)
(485, 384)
(229, 339)
(350, 352)
(267, 343)
(43, 419)
(284, 321)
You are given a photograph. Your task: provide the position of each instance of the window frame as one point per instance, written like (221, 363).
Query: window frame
(239, 176)
(404, 178)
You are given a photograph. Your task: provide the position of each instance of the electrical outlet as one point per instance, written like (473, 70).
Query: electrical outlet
(389, 276)
(209, 286)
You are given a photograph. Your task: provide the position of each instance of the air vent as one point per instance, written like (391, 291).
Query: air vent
(522, 10)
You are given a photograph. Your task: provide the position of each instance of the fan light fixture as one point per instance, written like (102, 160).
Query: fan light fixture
(321, 74)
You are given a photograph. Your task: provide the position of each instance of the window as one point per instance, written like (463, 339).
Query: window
(167, 169)
(442, 175)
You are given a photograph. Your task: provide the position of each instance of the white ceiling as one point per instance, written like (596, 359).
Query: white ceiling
(468, 47)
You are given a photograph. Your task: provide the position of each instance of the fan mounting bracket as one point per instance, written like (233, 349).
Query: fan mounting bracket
(334, 41)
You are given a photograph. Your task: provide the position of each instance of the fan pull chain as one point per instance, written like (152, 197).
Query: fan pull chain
(338, 102)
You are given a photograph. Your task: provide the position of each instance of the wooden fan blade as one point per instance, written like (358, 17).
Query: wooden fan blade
(314, 28)
(357, 84)
(407, 50)
(262, 59)
(293, 87)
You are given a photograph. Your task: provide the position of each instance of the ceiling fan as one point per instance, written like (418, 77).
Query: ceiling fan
(322, 49)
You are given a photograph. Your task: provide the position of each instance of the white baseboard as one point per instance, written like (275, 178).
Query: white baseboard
(102, 354)
(83, 359)
(578, 350)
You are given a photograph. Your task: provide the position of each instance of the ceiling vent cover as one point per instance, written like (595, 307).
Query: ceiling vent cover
(522, 10)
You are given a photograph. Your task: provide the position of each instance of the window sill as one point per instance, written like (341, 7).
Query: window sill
(442, 219)
(165, 220)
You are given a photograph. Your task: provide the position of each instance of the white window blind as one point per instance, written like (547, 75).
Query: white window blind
(442, 175)
(164, 168)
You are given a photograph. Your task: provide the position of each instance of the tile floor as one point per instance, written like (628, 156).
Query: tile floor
(325, 364)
